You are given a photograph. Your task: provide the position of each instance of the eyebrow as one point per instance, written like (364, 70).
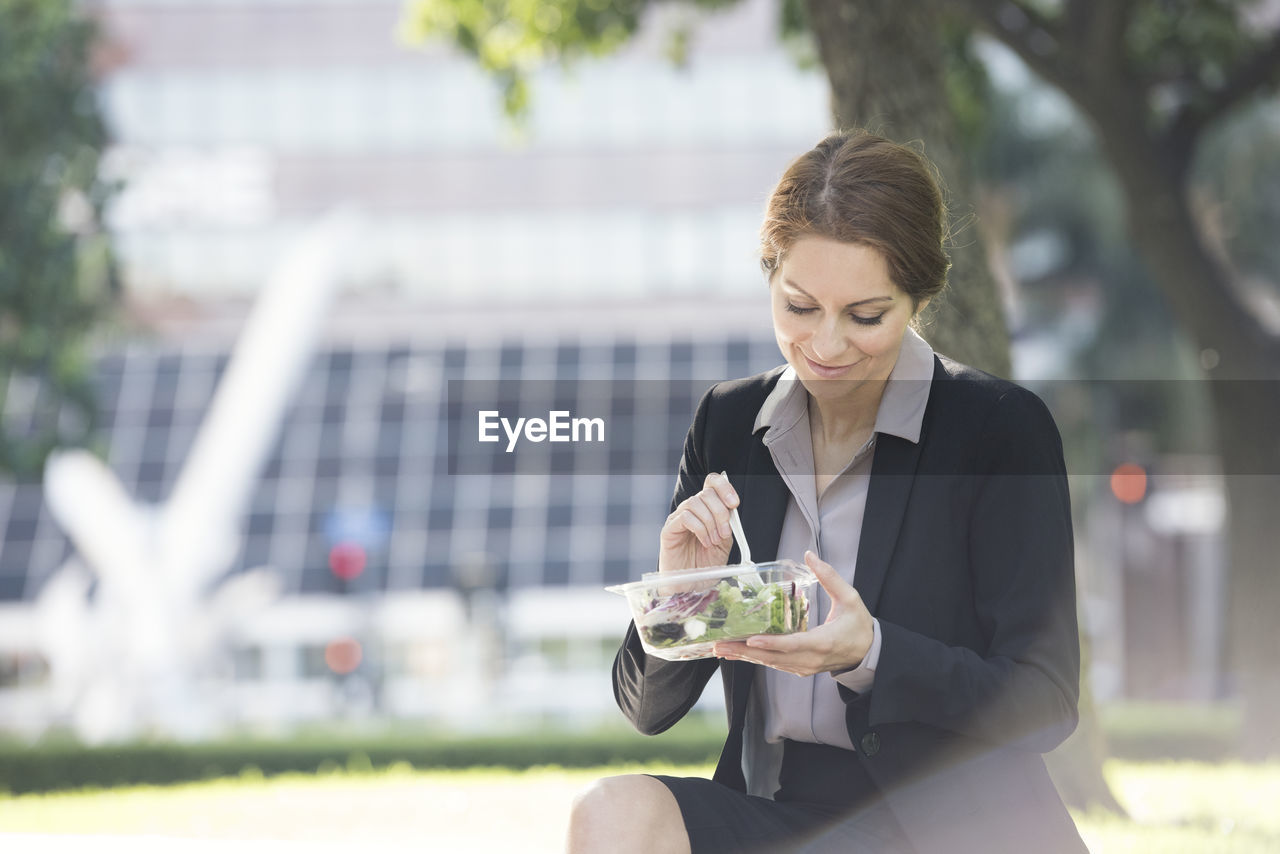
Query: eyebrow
(860, 302)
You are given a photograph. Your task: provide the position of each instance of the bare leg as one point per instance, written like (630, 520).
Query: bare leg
(628, 814)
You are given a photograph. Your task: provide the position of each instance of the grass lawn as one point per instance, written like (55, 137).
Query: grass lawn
(1176, 807)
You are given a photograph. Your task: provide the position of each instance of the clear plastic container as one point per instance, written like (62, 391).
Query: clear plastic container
(681, 615)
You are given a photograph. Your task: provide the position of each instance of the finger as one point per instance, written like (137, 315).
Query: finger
(778, 643)
(800, 648)
(718, 510)
(778, 661)
(684, 521)
(719, 482)
(729, 649)
(735, 651)
(704, 505)
(689, 520)
(837, 588)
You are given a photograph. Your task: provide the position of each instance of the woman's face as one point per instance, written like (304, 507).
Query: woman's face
(838, 317)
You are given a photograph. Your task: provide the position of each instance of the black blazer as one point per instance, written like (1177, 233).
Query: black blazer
(966, 559)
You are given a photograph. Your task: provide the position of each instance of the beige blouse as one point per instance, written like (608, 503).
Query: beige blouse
(809, 708)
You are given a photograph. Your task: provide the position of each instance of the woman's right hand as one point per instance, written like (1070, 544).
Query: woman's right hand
(697, 532)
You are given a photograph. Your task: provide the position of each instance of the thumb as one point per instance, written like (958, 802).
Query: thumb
(837, 588)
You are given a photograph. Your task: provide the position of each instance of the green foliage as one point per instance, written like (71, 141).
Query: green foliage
(968, 86)
(68, 765)
(797, 38)
(1181, 44)
(510, 39)
(1185, 731)
(55, 268)
(1133, 731)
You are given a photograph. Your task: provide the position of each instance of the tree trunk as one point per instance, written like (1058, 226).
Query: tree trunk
(1244, 385)
(885, 62)
(1253, 496)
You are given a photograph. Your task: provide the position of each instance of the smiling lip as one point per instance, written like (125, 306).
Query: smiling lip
(828, 373)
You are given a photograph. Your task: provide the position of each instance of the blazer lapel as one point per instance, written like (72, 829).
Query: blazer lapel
(892, 474)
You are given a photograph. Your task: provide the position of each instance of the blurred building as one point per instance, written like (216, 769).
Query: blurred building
(239, 120)
(432, 574)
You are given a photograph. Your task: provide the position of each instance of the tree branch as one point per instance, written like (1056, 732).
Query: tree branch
(1251, 76)
(1035, 38)
(1107, 24)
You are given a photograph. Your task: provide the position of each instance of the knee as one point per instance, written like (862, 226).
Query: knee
(605, 802)
(615, 812)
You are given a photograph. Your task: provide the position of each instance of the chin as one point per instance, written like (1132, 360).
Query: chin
(826, 389)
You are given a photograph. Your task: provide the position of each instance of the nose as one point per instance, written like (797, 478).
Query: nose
(828, 342)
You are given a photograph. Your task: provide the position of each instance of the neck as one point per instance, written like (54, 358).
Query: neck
(852, 416)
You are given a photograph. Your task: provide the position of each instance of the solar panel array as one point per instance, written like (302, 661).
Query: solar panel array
(363, 456)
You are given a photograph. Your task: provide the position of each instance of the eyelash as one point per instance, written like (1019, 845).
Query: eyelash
(864, 321)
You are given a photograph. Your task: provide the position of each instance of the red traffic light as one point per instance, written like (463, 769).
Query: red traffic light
(1129, 483)
(347, 560)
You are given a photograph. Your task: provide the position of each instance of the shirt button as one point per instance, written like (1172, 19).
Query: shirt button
(871, 743)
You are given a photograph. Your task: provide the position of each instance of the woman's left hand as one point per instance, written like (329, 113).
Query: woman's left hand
(841, 642)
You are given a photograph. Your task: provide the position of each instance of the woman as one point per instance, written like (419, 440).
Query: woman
(929, 498)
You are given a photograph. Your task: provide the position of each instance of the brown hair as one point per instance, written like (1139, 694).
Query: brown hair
(856, 187)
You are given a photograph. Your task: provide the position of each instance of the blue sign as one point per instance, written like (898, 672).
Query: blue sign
(367, 526)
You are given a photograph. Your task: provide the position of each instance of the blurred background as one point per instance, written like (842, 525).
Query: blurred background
(228, 506)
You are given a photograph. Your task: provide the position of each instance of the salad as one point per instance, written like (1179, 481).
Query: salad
(735, 608)
(680, 615)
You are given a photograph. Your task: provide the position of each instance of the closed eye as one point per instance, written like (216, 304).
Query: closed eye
(862, 321)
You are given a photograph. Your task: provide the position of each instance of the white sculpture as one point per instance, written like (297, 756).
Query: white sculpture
(129, 659)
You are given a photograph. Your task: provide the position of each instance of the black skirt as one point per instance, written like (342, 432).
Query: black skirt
(825, 803)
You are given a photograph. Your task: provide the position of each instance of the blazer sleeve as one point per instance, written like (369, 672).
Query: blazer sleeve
(652, 692)
(1022, 689)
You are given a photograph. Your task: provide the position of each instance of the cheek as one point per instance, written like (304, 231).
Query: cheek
(880, 340)
(876, 341)
(788, 327)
